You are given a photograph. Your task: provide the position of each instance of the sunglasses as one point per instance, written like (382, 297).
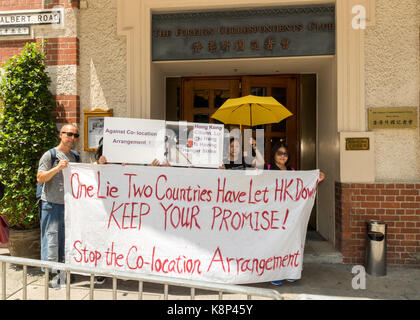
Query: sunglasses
(71, 134)
(279, 153)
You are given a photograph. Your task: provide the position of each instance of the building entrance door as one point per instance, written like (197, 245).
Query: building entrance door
(201, 97)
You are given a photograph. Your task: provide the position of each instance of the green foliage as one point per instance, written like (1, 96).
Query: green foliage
(27, 130)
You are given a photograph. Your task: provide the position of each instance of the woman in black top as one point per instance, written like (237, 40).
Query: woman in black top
(279, 157)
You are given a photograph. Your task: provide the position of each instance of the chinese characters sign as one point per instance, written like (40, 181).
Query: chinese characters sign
(393, 118)
(14, 31)
(286, 31)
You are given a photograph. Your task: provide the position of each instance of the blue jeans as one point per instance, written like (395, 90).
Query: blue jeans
(52, 232)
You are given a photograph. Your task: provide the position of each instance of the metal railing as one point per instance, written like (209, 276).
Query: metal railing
(221, 289)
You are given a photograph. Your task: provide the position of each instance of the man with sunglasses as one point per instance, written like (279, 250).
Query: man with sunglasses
(52, 214)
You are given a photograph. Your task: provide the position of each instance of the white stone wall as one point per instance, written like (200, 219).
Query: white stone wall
(392, 79)
(63, 79)
(103, 67)
(52, 31)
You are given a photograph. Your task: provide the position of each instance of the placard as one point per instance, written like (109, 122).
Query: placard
(194, 144)
(137, 141)
(202, 224)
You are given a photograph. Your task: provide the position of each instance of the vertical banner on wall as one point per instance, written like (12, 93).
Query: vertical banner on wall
(137, 141)
(213, 225)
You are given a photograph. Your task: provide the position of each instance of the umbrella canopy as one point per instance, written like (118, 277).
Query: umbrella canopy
(251, 111)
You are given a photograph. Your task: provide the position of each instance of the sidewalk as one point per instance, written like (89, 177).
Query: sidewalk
(322, 278)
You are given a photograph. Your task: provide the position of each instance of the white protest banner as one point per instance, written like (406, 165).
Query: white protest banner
(137, 141)
(203, 224)
(194, 144)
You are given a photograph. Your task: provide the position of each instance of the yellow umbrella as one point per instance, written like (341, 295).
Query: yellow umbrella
(251, 111)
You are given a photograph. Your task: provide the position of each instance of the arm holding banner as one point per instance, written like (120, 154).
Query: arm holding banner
(45, 176)
(259, 161)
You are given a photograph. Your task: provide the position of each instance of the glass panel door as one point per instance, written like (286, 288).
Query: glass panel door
(203, 96)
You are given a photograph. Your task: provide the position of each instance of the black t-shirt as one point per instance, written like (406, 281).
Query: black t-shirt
(237, 166)
(274, 167)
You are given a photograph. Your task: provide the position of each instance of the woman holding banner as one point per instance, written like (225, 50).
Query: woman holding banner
(280, 161)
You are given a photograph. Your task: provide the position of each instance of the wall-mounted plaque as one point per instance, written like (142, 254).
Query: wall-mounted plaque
(357, 144)
(255, 33)
(393, 118)
(94, 127)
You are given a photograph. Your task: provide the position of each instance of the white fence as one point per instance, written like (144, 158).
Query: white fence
(221, 289)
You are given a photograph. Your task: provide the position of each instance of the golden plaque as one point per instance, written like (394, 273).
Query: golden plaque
(393, 118)
(357, 144)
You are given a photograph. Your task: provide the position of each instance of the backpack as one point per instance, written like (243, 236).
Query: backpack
(39, 186)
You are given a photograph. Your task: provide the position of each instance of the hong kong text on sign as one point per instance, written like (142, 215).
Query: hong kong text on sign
(204, 224)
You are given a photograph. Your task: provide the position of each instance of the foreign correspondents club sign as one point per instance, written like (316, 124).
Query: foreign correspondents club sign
(273, 32)
(19, 23)
(214, 225)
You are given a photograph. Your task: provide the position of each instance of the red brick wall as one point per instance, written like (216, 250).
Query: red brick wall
(9, 48)
(62, 51)
(35, 4)
(396, 204)
(59, 51)
(20, 4)
(65, 3)
(67, 109)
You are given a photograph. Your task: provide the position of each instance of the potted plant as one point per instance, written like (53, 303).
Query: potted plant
(27, 130)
